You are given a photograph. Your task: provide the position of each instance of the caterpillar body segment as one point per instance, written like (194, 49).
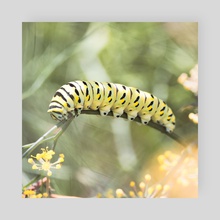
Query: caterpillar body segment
(109, 98)
(169, 121)
(98, 94)
(88, 96)
(123, 95)
(149, 108)
(136, 103)
(164, 116)
(76, 96)
(160, 113)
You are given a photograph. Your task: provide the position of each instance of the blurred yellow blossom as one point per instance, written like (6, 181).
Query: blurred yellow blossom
(185, 167)
(190, 82)
(29, 193)
(143, 190)
(193, 117)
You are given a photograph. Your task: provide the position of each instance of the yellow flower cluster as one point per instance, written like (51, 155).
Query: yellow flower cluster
(143, 190)
(29, 193)
(44, 159)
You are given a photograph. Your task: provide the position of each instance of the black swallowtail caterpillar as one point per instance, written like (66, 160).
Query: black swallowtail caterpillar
(76, 96)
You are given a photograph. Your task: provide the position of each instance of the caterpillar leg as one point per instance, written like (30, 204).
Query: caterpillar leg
(117, 115)
(145, 120)
(78, 111)
(117, 112)
(72, 112)
(131, 117)
(103, 113)
(170, 127)
(169, 130)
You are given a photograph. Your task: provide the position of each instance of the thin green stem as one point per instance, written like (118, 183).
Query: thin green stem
(65, 126)
(48, 186)
(44, 138)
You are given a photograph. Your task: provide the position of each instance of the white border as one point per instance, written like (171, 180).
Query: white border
(14, 13)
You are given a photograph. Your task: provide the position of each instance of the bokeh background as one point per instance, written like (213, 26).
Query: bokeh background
(102, 153)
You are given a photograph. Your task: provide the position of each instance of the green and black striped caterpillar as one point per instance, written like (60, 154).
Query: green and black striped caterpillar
(76, 96)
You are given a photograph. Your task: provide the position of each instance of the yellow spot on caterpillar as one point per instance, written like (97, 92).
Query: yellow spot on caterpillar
(149, 108)
(77, 98)
(98, 96)
(161, 113)
(136, 104)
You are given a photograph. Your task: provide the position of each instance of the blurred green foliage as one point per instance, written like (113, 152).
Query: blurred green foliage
(102, 152)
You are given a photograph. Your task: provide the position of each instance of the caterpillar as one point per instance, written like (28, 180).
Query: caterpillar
(78, 95)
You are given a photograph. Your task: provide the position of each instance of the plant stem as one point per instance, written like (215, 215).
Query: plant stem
(158, 127)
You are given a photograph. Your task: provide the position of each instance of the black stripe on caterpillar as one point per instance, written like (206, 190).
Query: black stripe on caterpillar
(76, 96)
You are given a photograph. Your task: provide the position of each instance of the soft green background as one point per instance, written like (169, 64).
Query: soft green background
(102, 152)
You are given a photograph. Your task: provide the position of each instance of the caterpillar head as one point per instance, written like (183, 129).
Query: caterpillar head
(57, 112)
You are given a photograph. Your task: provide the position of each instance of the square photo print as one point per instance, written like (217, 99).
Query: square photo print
(110, 110)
